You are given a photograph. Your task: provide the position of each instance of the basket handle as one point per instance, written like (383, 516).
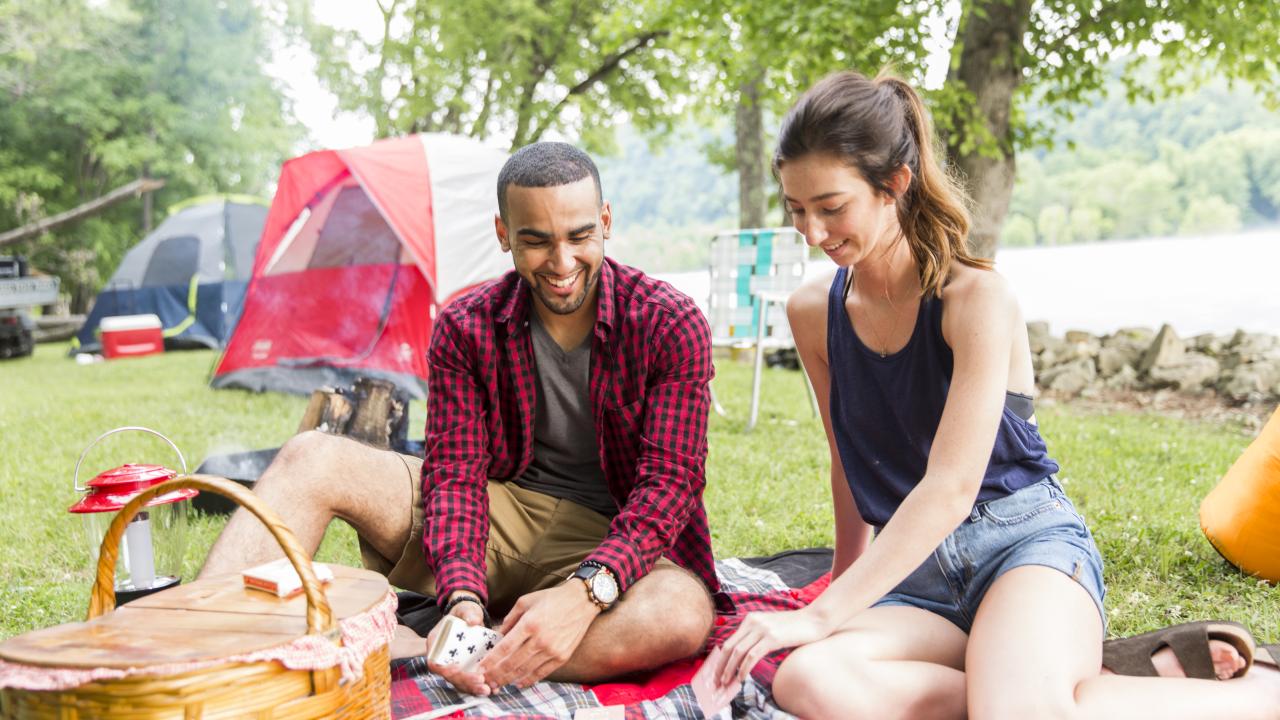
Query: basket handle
(103, 600)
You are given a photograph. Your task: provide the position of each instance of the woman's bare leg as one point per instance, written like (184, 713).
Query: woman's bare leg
(887, 662)
(1035, 651)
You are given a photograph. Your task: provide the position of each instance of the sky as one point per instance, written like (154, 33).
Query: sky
(313, 105)
(316, 108)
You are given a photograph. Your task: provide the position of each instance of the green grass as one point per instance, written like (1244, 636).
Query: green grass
(1137, 478)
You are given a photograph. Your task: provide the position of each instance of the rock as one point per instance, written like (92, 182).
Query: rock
(1140, 335)
(1252, 382)
(1131, 344)
(1053, 351)
(1111, 360)
(1208, 344)
(1245, 348)
(1126, 378)
(1037, 332)
(1071, 377)
(1195, 372)
(1078, 336)
(1166, 350)
(1087, 348)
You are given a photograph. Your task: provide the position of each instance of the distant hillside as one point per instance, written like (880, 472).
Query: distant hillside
(667, 200)
(1205, 162)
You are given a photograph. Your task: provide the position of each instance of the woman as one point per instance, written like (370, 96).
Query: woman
(982, 595)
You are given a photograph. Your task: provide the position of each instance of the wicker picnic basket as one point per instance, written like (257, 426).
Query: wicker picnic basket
(193, 651)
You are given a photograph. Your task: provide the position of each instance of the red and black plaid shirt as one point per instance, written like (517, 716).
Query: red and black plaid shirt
(650, 369)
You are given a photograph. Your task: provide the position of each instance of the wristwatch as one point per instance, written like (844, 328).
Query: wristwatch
(602, 586)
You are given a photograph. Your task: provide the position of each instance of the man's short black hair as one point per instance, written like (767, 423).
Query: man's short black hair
(545, 164)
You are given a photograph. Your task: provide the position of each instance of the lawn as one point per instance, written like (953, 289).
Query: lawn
(1137, 478)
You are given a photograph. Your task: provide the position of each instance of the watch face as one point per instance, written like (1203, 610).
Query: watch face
(604, 588)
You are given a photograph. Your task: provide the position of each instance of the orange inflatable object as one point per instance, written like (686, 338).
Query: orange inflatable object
(1241, 517)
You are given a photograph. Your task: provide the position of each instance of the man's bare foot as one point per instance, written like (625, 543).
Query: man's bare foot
(1226, 661)
(407, 643)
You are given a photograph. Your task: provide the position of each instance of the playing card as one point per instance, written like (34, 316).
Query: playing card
(461, 644)
(711, 696)
(605, 712)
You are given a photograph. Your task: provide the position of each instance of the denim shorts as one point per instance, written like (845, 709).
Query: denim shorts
(1036, 525)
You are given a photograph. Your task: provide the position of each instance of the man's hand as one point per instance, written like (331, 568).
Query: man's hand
(540, 634)
(406, 644)
(468, 681)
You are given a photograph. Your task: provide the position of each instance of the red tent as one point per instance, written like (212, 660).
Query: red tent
(361, 248)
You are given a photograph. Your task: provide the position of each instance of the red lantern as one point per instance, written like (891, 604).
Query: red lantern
(151, 553)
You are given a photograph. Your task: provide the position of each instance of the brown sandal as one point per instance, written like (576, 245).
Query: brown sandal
(1189, 643)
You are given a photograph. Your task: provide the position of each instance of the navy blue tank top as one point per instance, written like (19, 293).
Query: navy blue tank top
(885, 412)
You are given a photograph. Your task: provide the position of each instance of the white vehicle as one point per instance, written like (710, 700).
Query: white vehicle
(18, 291)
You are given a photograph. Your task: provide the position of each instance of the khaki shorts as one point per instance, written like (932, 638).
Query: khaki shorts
(536, 541)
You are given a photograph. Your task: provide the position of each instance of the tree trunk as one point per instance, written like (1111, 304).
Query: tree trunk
(990, 66)
(748, 126)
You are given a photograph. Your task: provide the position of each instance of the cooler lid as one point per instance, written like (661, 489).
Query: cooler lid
(118, 323)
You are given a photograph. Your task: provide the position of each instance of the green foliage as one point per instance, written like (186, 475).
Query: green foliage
(512, 69)
(1073, 50)
(1019, 231)
(1200, 163)
(1208, 215)
(1138, 479)
(667, 200)
(97, 94)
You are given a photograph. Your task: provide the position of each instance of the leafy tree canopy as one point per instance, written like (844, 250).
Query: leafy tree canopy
(525, 70)
(97, 94)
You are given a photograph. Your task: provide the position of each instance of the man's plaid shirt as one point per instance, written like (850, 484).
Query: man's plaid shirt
(650, 369)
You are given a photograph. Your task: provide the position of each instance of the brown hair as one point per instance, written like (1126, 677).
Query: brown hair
(876, 127)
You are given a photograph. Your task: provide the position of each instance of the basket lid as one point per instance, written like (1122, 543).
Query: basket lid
(207, 619)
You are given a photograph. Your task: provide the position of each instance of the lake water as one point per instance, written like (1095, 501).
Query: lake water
(1198, 284)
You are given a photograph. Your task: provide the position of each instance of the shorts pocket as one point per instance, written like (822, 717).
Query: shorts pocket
(1022, 505)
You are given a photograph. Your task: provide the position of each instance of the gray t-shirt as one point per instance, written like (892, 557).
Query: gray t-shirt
(566, 459)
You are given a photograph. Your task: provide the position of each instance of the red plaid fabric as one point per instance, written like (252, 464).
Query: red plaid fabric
(650, 369)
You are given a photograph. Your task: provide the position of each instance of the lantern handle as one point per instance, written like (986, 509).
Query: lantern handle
(102, 599)
(75, 480)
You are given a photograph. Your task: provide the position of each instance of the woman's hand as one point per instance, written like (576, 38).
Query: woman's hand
(760, 634)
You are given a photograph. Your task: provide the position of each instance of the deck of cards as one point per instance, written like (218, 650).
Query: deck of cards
(280, 579)
(461, 644)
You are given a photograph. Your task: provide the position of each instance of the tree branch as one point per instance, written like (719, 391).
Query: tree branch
(606, 68)
(133, 189)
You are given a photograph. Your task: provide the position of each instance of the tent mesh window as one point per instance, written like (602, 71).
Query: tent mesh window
(354, 216)
(174, 261)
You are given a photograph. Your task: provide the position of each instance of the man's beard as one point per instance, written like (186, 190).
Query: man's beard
(569, 305)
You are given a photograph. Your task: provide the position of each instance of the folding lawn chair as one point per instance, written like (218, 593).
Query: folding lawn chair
(751, 272)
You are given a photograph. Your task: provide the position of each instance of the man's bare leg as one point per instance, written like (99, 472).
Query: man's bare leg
(665, 616)
(315, 478)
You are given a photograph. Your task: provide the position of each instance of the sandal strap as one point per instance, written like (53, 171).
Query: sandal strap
(1190, 644)
(1132, 655)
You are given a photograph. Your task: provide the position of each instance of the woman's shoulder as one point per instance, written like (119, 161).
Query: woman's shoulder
(811, 297)
(973, 286)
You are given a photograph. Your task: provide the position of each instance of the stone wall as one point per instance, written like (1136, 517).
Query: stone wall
(1240, 368)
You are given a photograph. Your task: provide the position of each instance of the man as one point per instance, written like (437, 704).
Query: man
(565, 456)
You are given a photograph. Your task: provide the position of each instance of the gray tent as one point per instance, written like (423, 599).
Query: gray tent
(191, 272)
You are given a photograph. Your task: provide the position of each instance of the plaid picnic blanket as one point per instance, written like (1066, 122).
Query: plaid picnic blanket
(780, 582)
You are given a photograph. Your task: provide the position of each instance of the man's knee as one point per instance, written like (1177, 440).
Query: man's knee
(311, 447)
(313, 458)
(680, 604)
